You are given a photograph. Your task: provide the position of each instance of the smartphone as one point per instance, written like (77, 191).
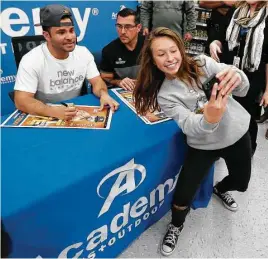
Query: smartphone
(208, 85)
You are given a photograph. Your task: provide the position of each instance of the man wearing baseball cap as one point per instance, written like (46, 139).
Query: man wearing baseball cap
(55, 70)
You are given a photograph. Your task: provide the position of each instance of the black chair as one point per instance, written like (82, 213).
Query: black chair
(22, 45)
(6, 242)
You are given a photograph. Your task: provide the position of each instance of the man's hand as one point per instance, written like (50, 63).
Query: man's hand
(145, 32)
(127, 84)
(106, 99)
(64, 113)
(264, 99)
(188, 36)
(214, 49)
(229, 80)
(216, 106)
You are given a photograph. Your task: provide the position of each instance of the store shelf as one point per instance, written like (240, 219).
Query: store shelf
(193, 52)
(202, 9)
(197, 45)
(201, 24)
(200, 38)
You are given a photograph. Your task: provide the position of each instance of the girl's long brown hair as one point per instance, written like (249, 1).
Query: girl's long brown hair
(150, 78)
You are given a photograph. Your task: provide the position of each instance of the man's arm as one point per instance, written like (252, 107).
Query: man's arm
(146, 11)
(191, 15)
(266, 77)
(215, 4)
(107, 68)
(210, 4)
(100, 90)
(125, 83)
(109, 78)
(98, 86)
(26, 102)
(191, 18)
(264, 100)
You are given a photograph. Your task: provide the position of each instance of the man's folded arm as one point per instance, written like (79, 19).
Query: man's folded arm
(26, 102)
(98, 86)
(109, 78)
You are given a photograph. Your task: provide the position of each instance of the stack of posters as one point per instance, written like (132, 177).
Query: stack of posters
(87, 117)
(149, 118)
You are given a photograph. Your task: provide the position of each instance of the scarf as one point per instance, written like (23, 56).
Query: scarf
(254, 39)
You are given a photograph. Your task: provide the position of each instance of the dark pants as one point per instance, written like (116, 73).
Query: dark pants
(254, 109)
(6, 243)
(251, 102)
(197, 165)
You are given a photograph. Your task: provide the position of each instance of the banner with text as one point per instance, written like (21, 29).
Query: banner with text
(94, 25)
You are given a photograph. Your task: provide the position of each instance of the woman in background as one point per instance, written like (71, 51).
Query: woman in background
(244, 43)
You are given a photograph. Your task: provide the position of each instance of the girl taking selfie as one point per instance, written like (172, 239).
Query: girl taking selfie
(171, 80)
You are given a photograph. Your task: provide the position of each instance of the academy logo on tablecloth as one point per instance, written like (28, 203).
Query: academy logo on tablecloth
(124, 184)
(126, 179)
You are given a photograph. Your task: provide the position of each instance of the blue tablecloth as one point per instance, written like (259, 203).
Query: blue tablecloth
(71, 192)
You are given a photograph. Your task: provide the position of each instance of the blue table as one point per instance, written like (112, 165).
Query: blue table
(71, 192)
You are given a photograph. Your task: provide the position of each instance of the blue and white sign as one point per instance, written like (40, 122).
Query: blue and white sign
(94, 24)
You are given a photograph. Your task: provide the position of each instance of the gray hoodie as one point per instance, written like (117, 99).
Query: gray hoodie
(168, 14)
(184, 104)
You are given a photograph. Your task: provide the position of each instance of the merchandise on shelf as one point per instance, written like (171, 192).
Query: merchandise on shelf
(197, 45)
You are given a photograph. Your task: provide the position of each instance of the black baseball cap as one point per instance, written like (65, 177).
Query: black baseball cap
(51, 15)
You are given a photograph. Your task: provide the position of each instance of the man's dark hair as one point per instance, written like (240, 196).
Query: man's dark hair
(127, 12)
(46, 28)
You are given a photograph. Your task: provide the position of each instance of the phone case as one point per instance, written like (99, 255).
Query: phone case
(208, 85)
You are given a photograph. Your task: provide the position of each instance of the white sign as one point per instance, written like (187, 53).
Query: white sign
(23, 20)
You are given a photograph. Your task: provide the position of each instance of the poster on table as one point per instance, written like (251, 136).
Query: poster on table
(149, 118)
(87, 117)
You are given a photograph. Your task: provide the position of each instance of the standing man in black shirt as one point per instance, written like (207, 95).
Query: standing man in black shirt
(218, 20)
(119, 64)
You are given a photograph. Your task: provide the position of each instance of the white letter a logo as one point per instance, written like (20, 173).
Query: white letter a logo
(124, 182)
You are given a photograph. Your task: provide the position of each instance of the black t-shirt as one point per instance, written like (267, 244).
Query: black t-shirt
(216, 24)
(119, 60)
(217, 17)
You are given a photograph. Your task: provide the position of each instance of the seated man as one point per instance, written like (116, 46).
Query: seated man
(55, 70)
(119, 65)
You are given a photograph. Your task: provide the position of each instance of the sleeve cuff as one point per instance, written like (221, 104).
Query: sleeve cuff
(209, 127)
(23, 89)
(92, 75)
(145, 25)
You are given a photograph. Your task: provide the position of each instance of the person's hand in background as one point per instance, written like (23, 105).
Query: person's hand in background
(264, 99)
(188, 36)
(215, 49)
(229, 3)
(145, 32)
